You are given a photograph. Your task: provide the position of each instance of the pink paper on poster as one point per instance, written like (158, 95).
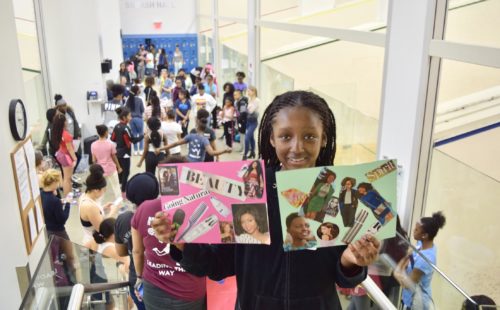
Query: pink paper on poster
(216, 202)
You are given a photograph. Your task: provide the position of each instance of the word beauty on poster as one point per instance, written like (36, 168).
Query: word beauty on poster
(336, 205)
(216, 202)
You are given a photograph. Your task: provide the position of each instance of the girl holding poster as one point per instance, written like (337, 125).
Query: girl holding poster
(297, 131)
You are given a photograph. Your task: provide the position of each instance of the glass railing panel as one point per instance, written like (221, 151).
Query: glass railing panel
(441, 293)
(467, 196)
(111, 299)
(63, 264)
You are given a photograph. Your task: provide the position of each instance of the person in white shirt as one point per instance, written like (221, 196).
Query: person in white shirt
(173, 131)
(202, 100)
(150, 63)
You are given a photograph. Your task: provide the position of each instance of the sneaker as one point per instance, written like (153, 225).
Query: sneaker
(136, 153)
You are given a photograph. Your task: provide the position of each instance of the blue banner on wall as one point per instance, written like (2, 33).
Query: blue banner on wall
(188, 44)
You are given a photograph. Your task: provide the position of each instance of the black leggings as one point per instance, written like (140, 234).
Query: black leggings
(152, 161)
(123, 177)
(228, 133)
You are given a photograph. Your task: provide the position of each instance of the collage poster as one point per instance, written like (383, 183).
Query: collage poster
(336, 205)
(216, 202)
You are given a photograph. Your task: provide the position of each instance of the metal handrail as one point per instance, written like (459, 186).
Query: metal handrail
(376, 294)
(79, 290)
(102, 287)
(76, 299)
(447, 279)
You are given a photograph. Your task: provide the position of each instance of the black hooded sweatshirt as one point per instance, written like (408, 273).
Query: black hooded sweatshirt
(267, 276)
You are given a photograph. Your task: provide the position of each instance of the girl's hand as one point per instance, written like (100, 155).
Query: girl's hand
(163, 227)
(361, 253)
(139, 164)
(107, 206)
(228, 150)
(119, 170)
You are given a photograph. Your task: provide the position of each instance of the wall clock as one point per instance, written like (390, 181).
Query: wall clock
(17, 119)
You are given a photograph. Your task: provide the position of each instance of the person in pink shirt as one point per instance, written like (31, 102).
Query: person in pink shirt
(65, 154)
(165, 284)
(104, 153)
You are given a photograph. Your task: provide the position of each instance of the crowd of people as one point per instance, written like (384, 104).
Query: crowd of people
(297, 130)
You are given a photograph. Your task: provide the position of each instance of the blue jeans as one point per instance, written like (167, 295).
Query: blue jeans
(249, 136)
(137, 127)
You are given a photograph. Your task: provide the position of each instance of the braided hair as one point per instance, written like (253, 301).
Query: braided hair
(154, 124)
(156, 109)
(307, 100)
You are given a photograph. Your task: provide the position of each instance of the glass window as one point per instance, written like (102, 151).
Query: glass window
(349, 76)
(234, 52)
(361, 15)
(473, 22)
(464, 177)
(27, 38)
(233, 8)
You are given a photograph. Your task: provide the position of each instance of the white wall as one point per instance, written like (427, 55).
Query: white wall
(177, 17)
(11, 233)
(72, 31)
(109, 16)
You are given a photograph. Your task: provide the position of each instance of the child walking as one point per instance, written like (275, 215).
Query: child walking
(173, 131)
(228, 120)
(154, 141)
(104, 153)
(297, 131)
(123, 138)
(198, 143)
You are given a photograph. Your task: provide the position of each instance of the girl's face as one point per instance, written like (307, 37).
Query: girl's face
(181, 95)
(418, 232)
(250, 92)
(248, 223)
(62, 108)
(297, 137)
(122, 66)
(227, 228)
(299, 229)
(348, 185)
(254, 165)
(325, 230)
(330, 179)
(128, 118)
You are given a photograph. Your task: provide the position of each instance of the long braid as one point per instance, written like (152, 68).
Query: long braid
(297, 99)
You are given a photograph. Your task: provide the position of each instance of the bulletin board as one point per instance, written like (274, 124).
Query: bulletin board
(28, 191)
